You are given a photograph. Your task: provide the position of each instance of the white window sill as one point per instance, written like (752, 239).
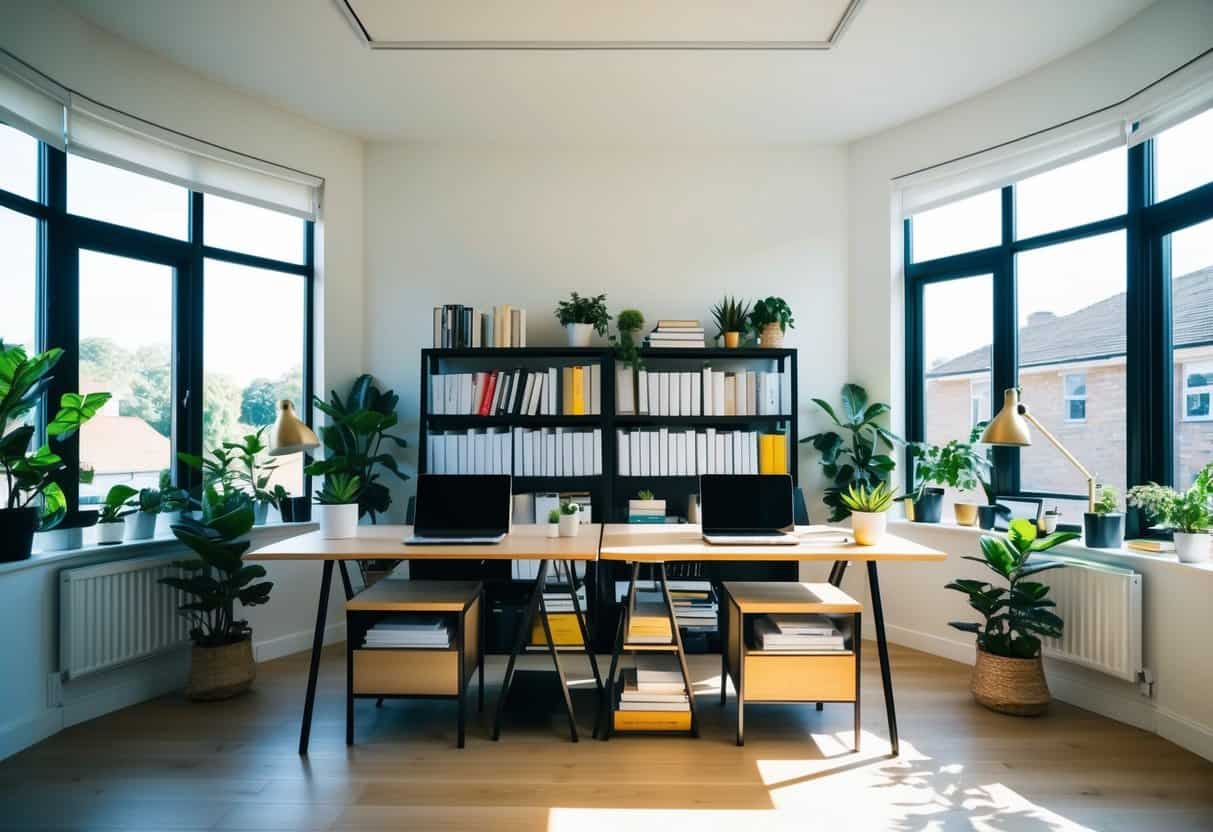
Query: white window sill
(260, 536)
(1116, 557)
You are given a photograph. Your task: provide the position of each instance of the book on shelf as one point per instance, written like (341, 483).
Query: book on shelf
(624, 721)
(565, 630)
(772, 453)
(522, 452)
(517, 392)
(460, 327)
(664, 692)
(400, 631)
(671, 334)
(807, 632)
(1150, 545)
(677, 452)
(649, 624)
(658, 670)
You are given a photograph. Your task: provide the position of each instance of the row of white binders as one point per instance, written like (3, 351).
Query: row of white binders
(551, 391)
(686, 453)
(705, 392)
(522, 452)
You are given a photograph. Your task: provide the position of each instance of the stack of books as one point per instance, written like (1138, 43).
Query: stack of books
(459, 327)
(646, 511)
(555, 391)
(695, 606)
(649, 623)
(408, 631)
(798, 632)
(676, 334)
(652, 697)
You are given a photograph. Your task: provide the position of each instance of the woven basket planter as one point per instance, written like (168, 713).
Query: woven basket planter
(221, 672)
(771, 336)
(1010, 686)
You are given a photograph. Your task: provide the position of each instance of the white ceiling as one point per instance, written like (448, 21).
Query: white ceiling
(898, 59)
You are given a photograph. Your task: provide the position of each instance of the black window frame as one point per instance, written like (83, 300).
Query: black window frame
(1148, 347)
(61, 235)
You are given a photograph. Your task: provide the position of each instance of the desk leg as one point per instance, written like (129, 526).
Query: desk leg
(524, 633)
(882, 648)
(608, 694)
(345, 580)
(682, 656)
(585, 634)
(555, 652)
(326, 582)
(837, 571)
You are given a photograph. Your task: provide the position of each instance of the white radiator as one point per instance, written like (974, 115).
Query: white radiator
(1101, 607)
(114, 613)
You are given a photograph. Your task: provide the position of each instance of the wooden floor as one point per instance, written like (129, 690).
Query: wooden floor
(170, 765)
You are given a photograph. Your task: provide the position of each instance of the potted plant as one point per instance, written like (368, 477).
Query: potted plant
(141, 524)
(1104, 528)
(570, 522)
(925, 503)
(34, 501)
(174, 502)
(253, 473)
(1187, 513)
(730, 316)
(354, 442)
(292, 509)
(856, 456)
(1050, 519)
(646, 508)
(553, 525)
(770, 319)
(69, 532)
(1009, 675)
(957, 465)
(869, 511)
(111, 525)
(221, 662)
(337, 506)
(581, 317)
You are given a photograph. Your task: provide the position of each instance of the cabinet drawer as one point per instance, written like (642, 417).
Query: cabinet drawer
(799, 678)
(412, 672)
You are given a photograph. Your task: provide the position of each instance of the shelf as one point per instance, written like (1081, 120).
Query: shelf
(524, 484)
(444, 422)
(497, 353)
(771, 353)
(699, 420)
(651, 648)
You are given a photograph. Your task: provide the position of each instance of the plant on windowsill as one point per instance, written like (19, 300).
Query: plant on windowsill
(987, 513)
(770, 319)
(646, 508)
(1104, 528)
(34, 500)
(1009, 676)
(252, 472)
(111, 525)
(869, 509)
(956, 465)
(581, 317)
(1187, 513)
(221, 663)
(337, 506)
(731, 320)
(570, 519)
(856, 455)
(553, 524)
(174, 502)
(148, 504)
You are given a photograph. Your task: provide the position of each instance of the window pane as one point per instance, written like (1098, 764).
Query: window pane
(18, 162)
(252, 354)
(1072, 341)
(1182, 160)
(126, 337)
(1082, 192)
(967, 225)
(957, 331)
(1192, 328)
(241, 227)
(114, 195)
(18, 288)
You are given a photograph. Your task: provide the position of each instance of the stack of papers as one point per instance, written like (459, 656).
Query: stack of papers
(646, 688)
(798, 632)
(409, 631)
(649, 624)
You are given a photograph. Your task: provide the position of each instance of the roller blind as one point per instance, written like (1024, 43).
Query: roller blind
(30, 101)
(122, 140)
(1178, 97)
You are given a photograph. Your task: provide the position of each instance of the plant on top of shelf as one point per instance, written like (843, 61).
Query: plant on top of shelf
(581, 316)
(644, 494)
(1009, 676)
(353, 442)
(853, 455)
(770, 319)
(627, 350)
(34, 501)
(1188, 513)
(731, 316)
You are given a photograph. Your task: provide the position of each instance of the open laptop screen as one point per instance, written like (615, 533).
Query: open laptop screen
(462, 506)
(745, 503)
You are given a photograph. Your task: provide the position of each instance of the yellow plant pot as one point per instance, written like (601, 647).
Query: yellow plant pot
(966, 513)
(732, 340)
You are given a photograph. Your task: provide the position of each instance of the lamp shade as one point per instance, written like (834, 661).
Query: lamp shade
(1008, 427)
(290, 435)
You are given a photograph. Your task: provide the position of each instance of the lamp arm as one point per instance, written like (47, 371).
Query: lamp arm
(1056, 443)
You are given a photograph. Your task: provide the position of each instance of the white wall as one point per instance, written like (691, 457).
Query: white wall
(665, 231)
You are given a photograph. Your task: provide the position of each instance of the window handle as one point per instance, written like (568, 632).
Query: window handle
(185, 402)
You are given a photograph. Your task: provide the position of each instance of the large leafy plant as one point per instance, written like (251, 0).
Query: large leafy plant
(353, 442)
(855, 454)
(30, 475)
(771, 310)
(218, 577)
(1187, 512)
(957, 464)
(1019, 613)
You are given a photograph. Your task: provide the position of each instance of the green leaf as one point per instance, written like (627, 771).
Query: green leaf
(1021, 534)
(998, 555)
(54, 507)
(1025, 571)
(965, 626)
(824, 405)
(16, 442)
(854, 402)
(74, 411)
(968, 585)
(875, 411)
(1055, 539)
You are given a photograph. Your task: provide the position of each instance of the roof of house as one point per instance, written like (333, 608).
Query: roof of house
(117, 444)
(1098, 330)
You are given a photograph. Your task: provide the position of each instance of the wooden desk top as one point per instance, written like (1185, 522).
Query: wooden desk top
(525, 542)
(786, 597)
(671, 542)
(415, 596)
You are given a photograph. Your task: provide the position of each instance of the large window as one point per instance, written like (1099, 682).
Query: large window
(18, 163)
(1086, 272)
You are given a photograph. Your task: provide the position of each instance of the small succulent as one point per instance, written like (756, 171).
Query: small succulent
(730, 315)
(554, 516)
(569, 508)
(645, 494)
(876, 499)
(339, 490)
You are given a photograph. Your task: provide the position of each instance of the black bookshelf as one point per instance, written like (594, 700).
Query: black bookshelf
(609, 492)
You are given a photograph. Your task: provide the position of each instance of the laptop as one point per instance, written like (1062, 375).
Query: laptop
(461, 509)
(747, 509)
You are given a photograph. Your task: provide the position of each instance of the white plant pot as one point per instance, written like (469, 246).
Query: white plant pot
(261, 512)
(579, 334)
(61, 540)
(337, 522)
(869, 526)
(141, 525)
(570, 524)
(1192, 548)
(552, 530)
(108, 533)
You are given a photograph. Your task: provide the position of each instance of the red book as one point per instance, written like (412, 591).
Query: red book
(486, 400)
